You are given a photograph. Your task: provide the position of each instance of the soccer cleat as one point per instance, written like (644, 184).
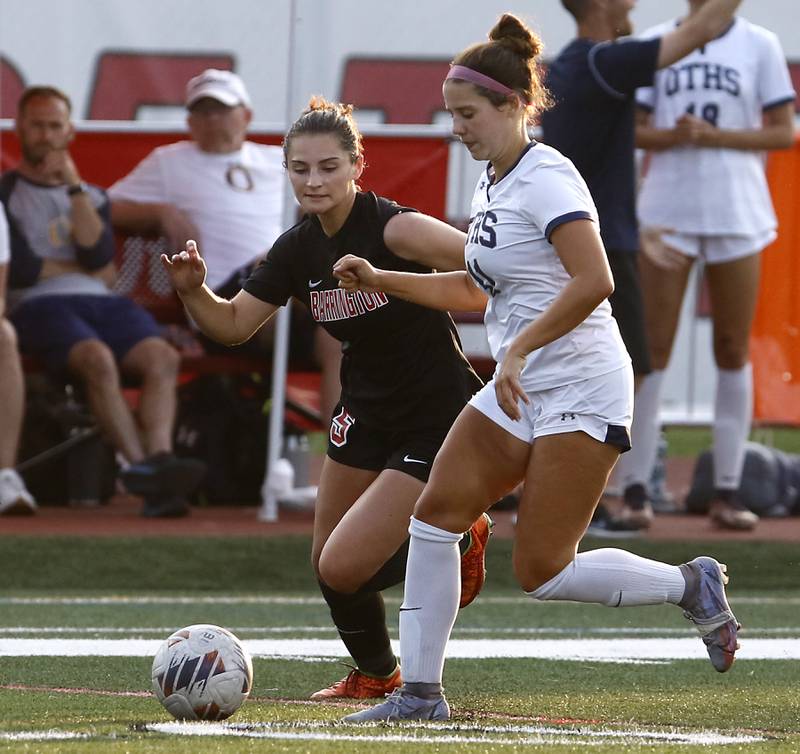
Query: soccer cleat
(709, 610)
(473, 560)
(400, 705)
(732, 514)
(358, 685)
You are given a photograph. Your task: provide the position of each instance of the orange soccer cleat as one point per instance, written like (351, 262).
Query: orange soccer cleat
(473, 560)
(358, 685)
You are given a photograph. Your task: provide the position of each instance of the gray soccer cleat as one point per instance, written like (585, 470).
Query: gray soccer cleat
(400, 705)
(709, 610)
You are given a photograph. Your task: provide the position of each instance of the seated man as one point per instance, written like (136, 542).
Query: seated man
(65, 315)
(227, 194)
(14, 495)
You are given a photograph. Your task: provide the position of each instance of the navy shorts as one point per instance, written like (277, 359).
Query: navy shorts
(628, 308)
(49, 326)
(355, 444)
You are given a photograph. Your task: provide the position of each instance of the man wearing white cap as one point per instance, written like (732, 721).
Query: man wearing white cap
(227, 194)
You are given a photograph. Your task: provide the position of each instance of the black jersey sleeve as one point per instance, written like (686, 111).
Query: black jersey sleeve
(271, 280)
(622, 67)
(386, 210)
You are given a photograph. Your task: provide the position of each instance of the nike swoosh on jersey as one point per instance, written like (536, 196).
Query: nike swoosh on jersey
(313, 283)
(408, 459)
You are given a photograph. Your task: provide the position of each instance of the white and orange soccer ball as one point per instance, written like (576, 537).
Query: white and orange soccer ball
(202, 672)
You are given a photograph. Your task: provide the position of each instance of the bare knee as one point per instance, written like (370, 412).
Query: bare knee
(532, 570)
(729, 352)
(438, 510)
(94, 362)
(336, 572)
(8, 341)
(154, 359)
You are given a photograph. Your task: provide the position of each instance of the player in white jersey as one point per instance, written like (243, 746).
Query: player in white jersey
(707, 120)
(558, 409)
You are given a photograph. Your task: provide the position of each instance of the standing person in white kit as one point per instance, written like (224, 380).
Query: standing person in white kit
(706, 122)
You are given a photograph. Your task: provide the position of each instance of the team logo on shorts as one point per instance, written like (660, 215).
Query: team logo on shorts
(340, 424)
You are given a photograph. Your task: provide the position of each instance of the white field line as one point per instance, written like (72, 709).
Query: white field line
(599, 650)
(581, 631)
(265, 599)
(506, 735)
(41, 735)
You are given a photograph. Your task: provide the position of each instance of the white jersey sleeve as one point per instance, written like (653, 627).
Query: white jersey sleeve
(5, 242)
(774, 81)
(145, 183)
(558, 195)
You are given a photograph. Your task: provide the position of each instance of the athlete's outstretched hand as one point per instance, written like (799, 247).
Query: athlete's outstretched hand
(186, 270)
(507, 386)
(356, 274)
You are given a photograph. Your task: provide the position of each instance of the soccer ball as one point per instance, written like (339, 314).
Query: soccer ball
(202, 672)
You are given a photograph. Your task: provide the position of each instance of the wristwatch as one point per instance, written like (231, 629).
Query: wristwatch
(78, 188)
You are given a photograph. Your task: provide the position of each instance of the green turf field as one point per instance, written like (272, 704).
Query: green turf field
(110, 591)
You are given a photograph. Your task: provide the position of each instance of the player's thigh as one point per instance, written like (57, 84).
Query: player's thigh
(733, 290)
(370, 531)
(662, 291)
(566, 476)
(339, 488)
(478, 463)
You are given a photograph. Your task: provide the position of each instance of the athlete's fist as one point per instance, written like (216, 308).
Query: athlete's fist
(186, 269)
(356, 274)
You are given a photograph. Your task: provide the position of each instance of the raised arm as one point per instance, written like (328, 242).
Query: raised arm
(708, 22)
(446, 291)
(228, 322)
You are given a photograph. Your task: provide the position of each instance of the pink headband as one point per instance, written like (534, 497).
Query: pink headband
(462, 73)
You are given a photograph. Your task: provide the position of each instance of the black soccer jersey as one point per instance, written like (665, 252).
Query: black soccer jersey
(402, 364)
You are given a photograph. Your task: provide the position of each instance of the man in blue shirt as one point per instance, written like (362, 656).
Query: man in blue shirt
(593, 81)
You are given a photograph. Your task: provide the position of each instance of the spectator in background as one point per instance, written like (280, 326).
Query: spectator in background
(593, 81)
(14, 495)
(228, 194)
(66, 316)
(706, 121)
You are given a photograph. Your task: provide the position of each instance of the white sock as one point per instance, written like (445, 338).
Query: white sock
(636, 466)
(616, 578)
(430, 601)
(733, 412)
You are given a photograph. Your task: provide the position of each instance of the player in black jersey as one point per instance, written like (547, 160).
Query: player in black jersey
(404, 377)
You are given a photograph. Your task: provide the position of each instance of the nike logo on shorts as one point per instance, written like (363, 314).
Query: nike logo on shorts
(314, 283)
(408, 459)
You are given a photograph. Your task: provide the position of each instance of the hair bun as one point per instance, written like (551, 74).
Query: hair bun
(510, 32)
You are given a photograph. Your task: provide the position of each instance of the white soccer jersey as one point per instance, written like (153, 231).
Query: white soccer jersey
(508, 254)
(234, 199)
(729, 82)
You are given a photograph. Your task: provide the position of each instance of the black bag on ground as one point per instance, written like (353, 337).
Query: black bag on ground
(63, 459)
(221, 421)
(770, 483)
